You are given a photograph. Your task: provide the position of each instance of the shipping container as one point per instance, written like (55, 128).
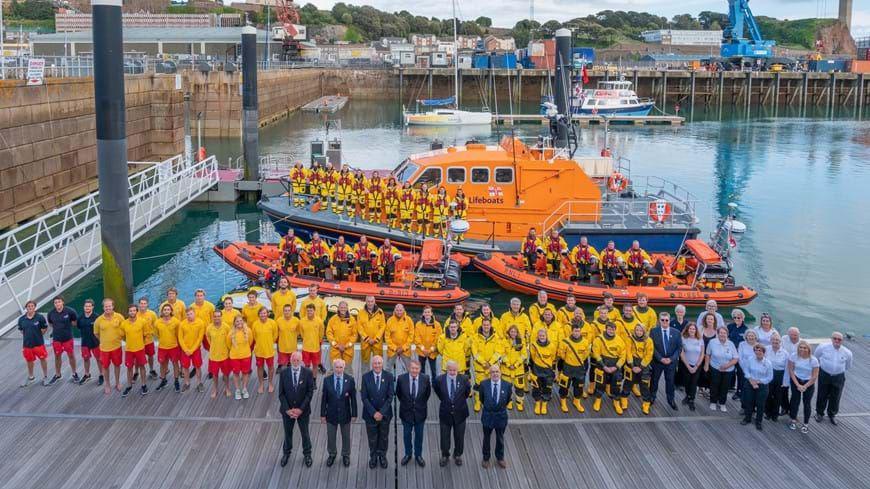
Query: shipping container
(439, 59)
(406, 58)
(860, 66)
(587, 54)
(828, 65)
(546, 47)
(465, 61)
(543, 62)
(422, 62)
(480, 61)
(503, 61)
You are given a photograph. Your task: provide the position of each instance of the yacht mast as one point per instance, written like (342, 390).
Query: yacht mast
(455, 60)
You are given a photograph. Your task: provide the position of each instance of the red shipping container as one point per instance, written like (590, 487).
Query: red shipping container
(860, 66)
(544, 62)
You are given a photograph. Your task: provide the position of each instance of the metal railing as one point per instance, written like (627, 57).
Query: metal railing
(616, 214)
(41, 258)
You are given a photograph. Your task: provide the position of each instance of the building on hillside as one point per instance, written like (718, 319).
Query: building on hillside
(467, 42)
(683, 38)
(206, 41)
(347, 54)
(421, 40)
(493, 43)
(389, 41)
(74, 22)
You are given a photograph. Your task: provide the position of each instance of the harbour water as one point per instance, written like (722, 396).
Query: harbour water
(800, 183)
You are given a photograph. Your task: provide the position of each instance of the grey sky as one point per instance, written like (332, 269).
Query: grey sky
(505, 13)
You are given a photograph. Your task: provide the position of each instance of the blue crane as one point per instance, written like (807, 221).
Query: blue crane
(734, 45)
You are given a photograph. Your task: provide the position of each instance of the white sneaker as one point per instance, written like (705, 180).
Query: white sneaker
(714, 406)
(723, 408)
(238, 395)
(245, 394)
(45, 381)
(28, 381)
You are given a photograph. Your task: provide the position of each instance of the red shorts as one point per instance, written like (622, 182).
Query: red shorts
(241, 365)
(110, 357)
(311, 359)
(134, 358)
(87, 353)
(63, 346)
(268, 362)
(219, 366)
(165, 355)
(283, 358)
(149, 349)
(31, 354)
(188, 360)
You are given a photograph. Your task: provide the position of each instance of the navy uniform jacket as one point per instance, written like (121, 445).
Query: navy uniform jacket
(338, 407)
(413, 410)
(377, 399)
(671, 350)
(494, 414)
(296, 396)
(452, 410)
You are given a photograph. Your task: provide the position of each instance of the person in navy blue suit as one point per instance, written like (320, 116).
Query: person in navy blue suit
(453, 391)
(667, 345)
(494, 396)
(413, 390)
(377, 399)
(338, 410)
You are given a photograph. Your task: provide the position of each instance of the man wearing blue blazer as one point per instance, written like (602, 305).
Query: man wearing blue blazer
(494, 396)
(667, 344)
(377, 399)
(338, 410)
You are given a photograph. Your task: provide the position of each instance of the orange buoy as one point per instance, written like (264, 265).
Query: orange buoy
(200, 154)
(617, 182)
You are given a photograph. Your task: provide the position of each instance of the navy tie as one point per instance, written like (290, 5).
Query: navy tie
(295, 378)
(338, 385)
(495, 392)
(414, 389)
(452, 387)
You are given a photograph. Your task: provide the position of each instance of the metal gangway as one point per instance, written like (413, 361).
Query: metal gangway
(41, 258)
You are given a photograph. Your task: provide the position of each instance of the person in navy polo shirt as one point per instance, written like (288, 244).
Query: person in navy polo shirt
(90, 346)
(61, 319)
(32, 326)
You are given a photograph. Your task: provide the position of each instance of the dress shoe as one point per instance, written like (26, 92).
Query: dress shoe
(758, 426)
(819, 418)
(284, 459)
(501, 463)
(345, 460)
(457, 461)
(833, 421)
(485, 464)
(330, 460)
(673, 405)
(373, 462)
(745, 422)
(383, 460)
(420, 461)
(442, 462)
(309, 461)
(405, 460)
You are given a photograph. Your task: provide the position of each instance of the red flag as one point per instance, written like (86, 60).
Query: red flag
(585, 75)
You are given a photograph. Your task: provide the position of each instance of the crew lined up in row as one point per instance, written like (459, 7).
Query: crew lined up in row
(362, 261)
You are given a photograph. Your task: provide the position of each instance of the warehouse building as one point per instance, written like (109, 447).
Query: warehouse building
(683, 38)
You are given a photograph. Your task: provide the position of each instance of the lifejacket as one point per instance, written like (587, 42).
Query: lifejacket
(635, 258)
(290, 246)
(386, 256)
(359, 185)
(298, 174)
(554, 246)
(314, 177)
(460, 204)
(375, 185)
(392, 193)
(530, 246)
(344, 182)
(609, 258)
(340, 252)
(583, 255)
(316, 250)
(441, 206)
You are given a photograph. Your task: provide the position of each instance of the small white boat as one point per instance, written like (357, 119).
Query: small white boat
(611, 98)
(448, 117)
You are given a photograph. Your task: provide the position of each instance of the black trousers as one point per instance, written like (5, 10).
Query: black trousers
(830, 390)
(499, 442)
(658, 369)
(640, 379)
(797, 397)
(774, 395)
(691, 382)
(458, 432)
(719, 383)
(302, 423)
(365, 270)
(378, 435)
(431, 361)
(755, 400)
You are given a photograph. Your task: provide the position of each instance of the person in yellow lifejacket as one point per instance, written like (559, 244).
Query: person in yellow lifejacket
(610, 262)
(342, 260)
(364, 256)
(637, 374)
(392, 199)
(555, 330)
(426, 333)
(358, 189)
(566, 313)
(399, 335)
(555, 248)
(573, 354)
(407, 199)
(637, 260)
(290, 248)
(344, 191)
(626, 322)
(613, 312)
(328, 181)
(486, 313)
(486, 350)
(318, 253)
(341, 333)
(543, 354)
(598, 326)
(513, 364)
(646, 314)
(609, 352)
(466, 326)
(422, 210)
(375, 198)
(584, 257)
(299, 183)
(531, 249)
(459, 208)
(387, 257)
(441, 212)
(455, 346)
(371, 323)
(516, 316)
(538, 307)
(312, 179)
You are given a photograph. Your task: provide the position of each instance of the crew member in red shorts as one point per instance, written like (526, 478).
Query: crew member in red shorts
(90, 346)
(107, 328)
(33, 326)
(133, 331)
(61, 319)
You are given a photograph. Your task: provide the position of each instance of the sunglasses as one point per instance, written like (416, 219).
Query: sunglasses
(665, 320)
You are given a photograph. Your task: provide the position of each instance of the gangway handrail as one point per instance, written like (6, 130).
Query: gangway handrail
(621, 210)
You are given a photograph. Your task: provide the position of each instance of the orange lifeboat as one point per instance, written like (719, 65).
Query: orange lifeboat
(665, 289)
(408, 288)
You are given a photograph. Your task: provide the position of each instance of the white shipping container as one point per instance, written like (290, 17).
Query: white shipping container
(439, 59)
(464, 61)
(407, 58)
(536, 49)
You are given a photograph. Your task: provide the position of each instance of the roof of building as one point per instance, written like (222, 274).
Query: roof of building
(154, 34)
(671, 57)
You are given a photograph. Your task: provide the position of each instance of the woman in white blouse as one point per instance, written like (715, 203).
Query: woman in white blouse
(778, 359)
(720, 359)
(745, 353)
(803, 371)
(691, 359)
(764, 330)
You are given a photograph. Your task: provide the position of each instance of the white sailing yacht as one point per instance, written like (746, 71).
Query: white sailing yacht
(448, 116)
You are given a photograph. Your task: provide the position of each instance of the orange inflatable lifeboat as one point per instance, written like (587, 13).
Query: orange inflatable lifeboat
(418, 281)
(675, 280)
